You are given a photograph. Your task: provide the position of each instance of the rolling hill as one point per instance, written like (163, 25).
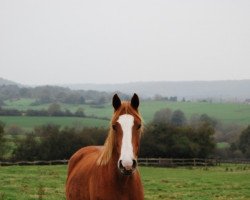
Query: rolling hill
(218, 91)
(7, 82)
(233, 90)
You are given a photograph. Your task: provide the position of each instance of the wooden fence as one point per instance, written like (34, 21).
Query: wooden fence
(171, 162)
(157, 162)
(235, 161)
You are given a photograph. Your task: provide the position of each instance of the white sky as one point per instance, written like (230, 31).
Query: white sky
(116, 41)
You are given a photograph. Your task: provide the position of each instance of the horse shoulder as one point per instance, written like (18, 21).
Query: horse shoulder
(81, 154)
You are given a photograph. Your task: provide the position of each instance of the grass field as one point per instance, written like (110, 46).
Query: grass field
(225, 112)
(28, 123)
(226, 182)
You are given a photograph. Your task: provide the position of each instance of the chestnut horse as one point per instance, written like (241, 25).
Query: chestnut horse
(110, 172)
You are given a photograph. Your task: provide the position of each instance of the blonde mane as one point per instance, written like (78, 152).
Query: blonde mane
(106, 153)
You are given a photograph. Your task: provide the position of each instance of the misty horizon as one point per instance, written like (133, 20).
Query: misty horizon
(119, 83)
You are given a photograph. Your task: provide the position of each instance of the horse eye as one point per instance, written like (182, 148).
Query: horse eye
(114, 127)
(139, 126)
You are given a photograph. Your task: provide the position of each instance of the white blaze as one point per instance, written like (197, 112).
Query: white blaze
(126, 121)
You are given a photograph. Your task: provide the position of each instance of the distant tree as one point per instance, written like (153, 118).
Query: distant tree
(80, 112)
(10, 112)
(25, 93)
(174, 99)
(101, 100)
(1, 103)
(166, 140)
(14, 130)
(178, 139)
(204, 138)
(61, 144)
(68, 113)
(209, 120)
(178, 118)
(162, 116)
(45, 130)
(158, 97)
(197, 120)
(54, 109)
(157, 140)
(82, 100)
(244, 142)
(42, 112)
(2, 140)
(27, 148)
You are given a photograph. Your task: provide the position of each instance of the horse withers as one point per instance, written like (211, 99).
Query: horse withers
(110, 172)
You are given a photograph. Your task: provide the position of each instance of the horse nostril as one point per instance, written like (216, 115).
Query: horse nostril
(134, 164)
(120, 164)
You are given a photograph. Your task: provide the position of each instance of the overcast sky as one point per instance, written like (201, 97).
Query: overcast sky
(117, 41)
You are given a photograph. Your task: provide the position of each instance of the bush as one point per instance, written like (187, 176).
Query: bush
(2, 140)
(27, 149)
(244, 142)
(49, 142)
(165, 140)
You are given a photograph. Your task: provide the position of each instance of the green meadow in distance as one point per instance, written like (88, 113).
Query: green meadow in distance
(229, 113)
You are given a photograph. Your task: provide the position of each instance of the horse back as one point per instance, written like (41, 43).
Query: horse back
(79, 167)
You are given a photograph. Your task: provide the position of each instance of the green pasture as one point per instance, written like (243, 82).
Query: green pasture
(222, 145)
(226, 182)
(229, 113)
(25, 104)
(27, 123)
(226, 112)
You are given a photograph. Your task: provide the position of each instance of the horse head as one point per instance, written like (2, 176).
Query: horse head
(127, 128)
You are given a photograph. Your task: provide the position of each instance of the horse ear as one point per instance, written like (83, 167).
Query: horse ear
(135, 101)
(116, 102)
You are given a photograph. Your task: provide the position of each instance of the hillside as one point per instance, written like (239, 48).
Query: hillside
(229, 91)
(236, 90)
(7, 82)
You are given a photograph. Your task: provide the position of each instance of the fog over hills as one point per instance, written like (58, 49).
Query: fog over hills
(233, 90)
(7, 82)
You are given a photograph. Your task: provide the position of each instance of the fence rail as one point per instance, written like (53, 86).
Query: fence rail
(236, 161)
(159, 162)
(172, 162)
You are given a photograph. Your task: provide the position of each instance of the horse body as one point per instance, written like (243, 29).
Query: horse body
(103, 172)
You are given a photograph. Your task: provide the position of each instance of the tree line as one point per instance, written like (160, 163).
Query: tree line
(49, 142)
(52, 94)
(169, 134)
(54, 109)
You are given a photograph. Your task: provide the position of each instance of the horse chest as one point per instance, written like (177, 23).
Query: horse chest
(117, 188)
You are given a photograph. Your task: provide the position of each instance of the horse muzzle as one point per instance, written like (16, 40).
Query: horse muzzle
(127, 168)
